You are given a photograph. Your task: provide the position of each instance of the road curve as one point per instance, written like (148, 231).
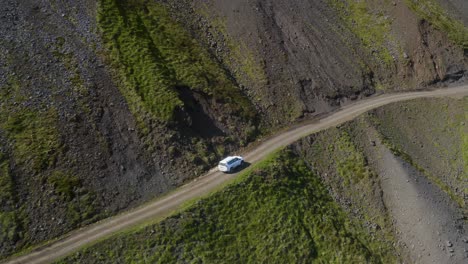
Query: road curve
(164, 206)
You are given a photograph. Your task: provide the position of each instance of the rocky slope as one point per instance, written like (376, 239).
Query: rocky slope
(106, 104)
(296, 58)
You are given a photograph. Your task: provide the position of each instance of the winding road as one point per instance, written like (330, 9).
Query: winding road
(203, 185)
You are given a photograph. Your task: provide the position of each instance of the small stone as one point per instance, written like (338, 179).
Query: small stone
(448, 243)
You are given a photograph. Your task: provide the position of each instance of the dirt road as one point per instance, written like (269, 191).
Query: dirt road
(164, 206)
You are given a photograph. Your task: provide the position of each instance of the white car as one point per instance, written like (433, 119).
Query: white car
(230, 163)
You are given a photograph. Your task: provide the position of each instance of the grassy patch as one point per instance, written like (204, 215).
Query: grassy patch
(36, 139)
(32, 144)
(353, 166)
(9, 226)
(240, 56)
(247, 62)
(69, 190)
(10, 222)
(64, 184)
(431, 11)
(154, 55)
(279, 212)
(6, 183)
(33, 132)
(373, 29)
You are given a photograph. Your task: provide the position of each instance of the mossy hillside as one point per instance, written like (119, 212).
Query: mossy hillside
(352, 165)
(336, 155)
(431, 11)
(6, 182)
(36, 139)
(372, 28)
(244, 61)
(154, 55)
(239, 56)
(31, 147)
(10, 225)
(278, 213)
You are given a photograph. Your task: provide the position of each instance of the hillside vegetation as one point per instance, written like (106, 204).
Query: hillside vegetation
(318, 200)
(431, 11)
(280, 212)
(156, 57)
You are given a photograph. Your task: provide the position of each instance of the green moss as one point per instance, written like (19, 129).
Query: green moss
(80, 203)
(279, 213)
(83, 210)
(431, 11)
(373, 29)
(6, 183)
(240, 57)
(247, 62)
(352, 166)
(154, 55)
(9, 226)
(36, 139)
(10, 222)
(64, 184)
(379, 87)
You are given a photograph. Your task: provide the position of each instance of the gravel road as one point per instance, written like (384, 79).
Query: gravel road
(213, 179)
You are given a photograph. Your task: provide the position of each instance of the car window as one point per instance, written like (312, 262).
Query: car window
(232, 161)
